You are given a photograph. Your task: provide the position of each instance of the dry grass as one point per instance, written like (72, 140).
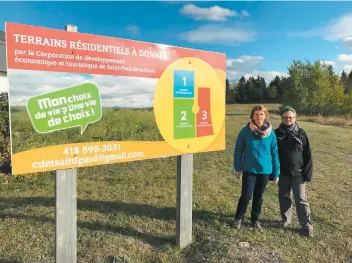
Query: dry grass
(333, 120)
(246, 108)
(243, 109)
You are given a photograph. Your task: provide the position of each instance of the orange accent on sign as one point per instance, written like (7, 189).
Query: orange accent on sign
(204, 122)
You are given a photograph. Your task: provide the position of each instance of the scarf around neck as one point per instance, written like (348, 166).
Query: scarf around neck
(262, 131)
(290, 132)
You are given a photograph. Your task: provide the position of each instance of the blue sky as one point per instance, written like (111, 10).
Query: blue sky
(257, 37)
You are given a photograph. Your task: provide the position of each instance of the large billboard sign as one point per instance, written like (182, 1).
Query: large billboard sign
(80, 100)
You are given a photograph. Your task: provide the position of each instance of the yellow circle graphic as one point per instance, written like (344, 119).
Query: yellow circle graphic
(189, 104)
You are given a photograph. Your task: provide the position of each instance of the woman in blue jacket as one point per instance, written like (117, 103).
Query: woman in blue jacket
(256, 156)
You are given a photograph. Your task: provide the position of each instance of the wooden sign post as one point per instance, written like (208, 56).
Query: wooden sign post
(66, 210)
(184, 200)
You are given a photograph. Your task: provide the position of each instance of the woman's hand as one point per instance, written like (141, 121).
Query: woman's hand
(237, 174)
(275, 181)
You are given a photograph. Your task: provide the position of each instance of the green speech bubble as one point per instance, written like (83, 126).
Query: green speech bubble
(66, 108)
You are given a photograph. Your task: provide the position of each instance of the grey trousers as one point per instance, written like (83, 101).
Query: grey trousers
(295, 184)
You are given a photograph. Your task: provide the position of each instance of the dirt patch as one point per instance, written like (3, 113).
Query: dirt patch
(226, 250)
(253, 253)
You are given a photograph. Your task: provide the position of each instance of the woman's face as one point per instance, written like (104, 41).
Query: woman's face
(288, 118)
(259, 117)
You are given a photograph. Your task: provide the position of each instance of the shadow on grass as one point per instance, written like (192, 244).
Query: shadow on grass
(97, 226)
(276, 224)
(140, 210)
(271, 223)
(8, 261)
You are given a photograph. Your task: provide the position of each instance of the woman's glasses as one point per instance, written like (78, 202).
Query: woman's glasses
(288, 118)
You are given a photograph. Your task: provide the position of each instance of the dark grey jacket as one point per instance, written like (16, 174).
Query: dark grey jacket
(295, 161)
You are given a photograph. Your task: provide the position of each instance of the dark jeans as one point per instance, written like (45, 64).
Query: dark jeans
(252, 184)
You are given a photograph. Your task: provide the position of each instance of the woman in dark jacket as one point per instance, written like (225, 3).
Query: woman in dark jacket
(295, 170)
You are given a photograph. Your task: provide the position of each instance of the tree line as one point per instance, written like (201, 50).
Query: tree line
(312, 88)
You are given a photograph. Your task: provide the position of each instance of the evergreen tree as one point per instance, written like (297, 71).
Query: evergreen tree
(344, 81)
(240, 92)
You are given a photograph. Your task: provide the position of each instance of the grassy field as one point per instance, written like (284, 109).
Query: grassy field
(127, 212)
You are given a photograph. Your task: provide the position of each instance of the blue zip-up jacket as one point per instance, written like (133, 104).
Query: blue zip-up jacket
(256, 155)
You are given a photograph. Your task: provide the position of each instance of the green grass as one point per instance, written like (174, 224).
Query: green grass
(127, 212)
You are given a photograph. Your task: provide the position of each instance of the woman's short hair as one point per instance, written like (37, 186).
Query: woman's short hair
(287, 108)
(261, 108)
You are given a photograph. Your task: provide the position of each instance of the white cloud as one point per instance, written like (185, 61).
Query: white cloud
(344, 58)
(327, 62)
(247, 66)
(244, 13)
(29, 83)
(132, 101)
(347, 42)
(243, 62)
(339, 28)
(214, 13)
(344, 62)
(218, 34)
(134, 30)
(347, 68)
(114, 90)
(267, 75)
(335, 29)
(19, 100)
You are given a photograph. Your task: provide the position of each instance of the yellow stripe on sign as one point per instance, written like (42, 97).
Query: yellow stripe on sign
(87, 154)
(77, 155)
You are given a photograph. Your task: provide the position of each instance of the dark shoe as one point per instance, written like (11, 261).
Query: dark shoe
(257, 226)
(307, 231)
(237, 223)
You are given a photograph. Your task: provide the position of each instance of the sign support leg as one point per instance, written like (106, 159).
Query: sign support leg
(66, 209)
(184, 200)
